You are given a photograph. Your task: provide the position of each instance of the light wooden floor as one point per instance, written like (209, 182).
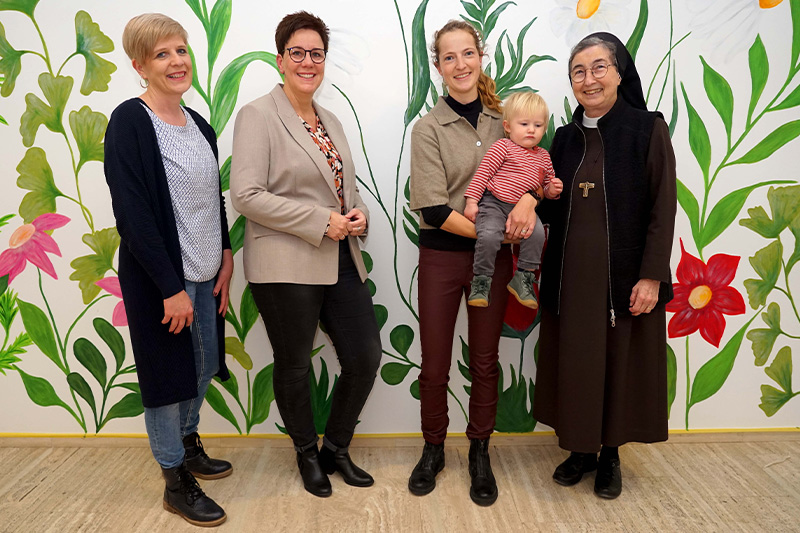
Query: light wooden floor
(684, 485)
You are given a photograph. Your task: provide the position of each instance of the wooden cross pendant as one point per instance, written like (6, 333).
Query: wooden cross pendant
(586, 185)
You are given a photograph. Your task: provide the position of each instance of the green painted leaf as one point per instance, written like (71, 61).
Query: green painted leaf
(419, 61)
(764, 339)
(381, 315)
(217, 403)
(263, 395)
(638, 31)
(759, 73)
(793, 100)
(225, 174)
(4, 221)
(131, 386)
(771, 143)
(82, 389)
(36, 176)
(231, 384)
(40, 331)
(23, 6)
(368, 264)
(472, 10)
(414, 389)
(767, 264)
(772, 399)
(412, 236)
(513, 414)
(720, 94)
(784, 204)
(795, 7)
(248, 311)
(236, 234)
(112, 338)
(673, 121)
(3, 285)
(394, 373)
(712, 375)
(672, 378)
(10, 65)
(219, 22)
(372, 287)
(90, 357)
(88, 127)
(499, 57)
(56, 90)
(321, 399)
(91, 268)
(780, 370)
(464, 371)
(130, 406)
(226, 90)
(198, 11)
(90, 41)
(401, 338)
(3, 121)
(726, 211)
(196, 77)
(698, 137)
(795, 229)
(234, 347)
(9, 356)
(491, 20)
(41, 392)
(689, 205)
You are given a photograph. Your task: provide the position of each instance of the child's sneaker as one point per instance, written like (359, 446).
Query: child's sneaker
(521, 286)
(479, 294)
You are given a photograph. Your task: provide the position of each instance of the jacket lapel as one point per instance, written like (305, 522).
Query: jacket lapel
(339, 140)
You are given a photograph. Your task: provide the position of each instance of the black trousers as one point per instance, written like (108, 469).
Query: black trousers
(291, 312)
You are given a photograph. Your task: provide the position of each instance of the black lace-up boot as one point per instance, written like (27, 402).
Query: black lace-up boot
(423, 477)
(184, 497)
(484, 487)
(200, 464)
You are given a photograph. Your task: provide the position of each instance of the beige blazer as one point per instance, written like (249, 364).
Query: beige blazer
(282, 183)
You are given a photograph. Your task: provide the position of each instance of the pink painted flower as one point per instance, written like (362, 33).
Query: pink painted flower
(111, 285)
(30, 243)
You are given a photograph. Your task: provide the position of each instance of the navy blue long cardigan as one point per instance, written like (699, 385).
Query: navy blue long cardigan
(150, 265)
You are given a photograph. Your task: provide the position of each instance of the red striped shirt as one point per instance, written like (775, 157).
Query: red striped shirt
(509, 171)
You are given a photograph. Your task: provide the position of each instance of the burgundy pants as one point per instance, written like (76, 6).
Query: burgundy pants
(444, 279)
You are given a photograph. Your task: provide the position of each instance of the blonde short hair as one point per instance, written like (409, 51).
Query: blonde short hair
(526, 103)
(142, 34)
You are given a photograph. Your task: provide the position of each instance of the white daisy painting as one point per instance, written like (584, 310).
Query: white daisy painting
(575, 19)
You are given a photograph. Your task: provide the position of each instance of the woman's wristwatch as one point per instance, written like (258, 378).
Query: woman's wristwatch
(535, 194)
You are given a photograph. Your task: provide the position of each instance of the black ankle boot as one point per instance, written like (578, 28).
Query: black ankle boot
(314, 479)
(572, 470)
(200, 464)
(340, 461)
(184, 497)
(423, 477)
(608, 483)
(484, 487)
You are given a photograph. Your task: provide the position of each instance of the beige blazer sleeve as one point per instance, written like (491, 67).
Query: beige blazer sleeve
(283, 185)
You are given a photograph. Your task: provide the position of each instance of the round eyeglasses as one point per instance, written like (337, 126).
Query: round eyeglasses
(298, 54)
(598, 71)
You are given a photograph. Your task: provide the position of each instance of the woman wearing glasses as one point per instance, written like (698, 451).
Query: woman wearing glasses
(294, 180)
(601, 376)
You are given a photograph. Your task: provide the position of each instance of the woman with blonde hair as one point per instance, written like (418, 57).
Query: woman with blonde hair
(447, 145)
(175, 260)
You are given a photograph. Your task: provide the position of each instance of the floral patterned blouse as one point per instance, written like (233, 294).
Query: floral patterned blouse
(321, 139)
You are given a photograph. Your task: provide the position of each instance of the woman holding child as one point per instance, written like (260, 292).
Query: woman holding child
(446, 147)
(601, 376)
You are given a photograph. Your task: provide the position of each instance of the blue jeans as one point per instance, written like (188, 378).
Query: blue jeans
(168, 424)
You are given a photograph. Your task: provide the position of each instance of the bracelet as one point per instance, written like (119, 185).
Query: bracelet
(535, 194)
(327, 227)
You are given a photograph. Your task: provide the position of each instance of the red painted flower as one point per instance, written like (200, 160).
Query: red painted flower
(703, 295)
(29, 242)
(111, 285)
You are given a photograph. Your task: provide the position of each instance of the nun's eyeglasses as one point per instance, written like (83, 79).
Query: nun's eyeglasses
(298, 54)
(598, 71)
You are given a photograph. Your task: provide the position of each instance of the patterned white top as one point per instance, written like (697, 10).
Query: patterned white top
(193, 180)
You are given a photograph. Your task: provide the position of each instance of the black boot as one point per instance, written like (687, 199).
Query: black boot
(484, 488)
(608, 483)
(572, 470)
(314, 479)
(200, 464)
(184, 497)
(423, 477)
(340, 461)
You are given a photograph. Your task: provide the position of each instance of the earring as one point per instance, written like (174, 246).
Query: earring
(144, 83)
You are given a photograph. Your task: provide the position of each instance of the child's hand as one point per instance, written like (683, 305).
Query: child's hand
(555, 188)
(471, 211)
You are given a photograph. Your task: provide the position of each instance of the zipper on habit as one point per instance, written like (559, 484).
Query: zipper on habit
(608, 234)
(569, 214)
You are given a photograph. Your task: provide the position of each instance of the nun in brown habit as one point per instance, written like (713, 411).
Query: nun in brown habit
(602, 371)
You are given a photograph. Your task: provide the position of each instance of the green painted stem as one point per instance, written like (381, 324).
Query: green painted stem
(521, 352)
(405, 360)
(44, 45)
(73, 54)
(405, 48)
(451, 393)
(87, 215)
(688, 383)
(75, 322)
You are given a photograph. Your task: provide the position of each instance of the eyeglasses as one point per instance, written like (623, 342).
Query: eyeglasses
(298, 54)
(598, 71)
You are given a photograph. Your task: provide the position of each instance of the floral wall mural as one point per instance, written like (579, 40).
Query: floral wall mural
(723, 73)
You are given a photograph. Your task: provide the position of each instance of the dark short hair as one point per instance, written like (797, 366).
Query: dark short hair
(302, 20)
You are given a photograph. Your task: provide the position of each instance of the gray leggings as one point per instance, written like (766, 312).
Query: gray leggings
(490, 226)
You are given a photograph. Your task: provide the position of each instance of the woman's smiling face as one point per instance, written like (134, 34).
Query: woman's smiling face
(168, 68)
(459, 64)
(597, 96)
(304, 77)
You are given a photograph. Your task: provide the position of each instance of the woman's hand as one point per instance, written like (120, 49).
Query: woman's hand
(178, 311)
(357, 224)
(223, 284)
(522, 219)
(337, 227)
(644, 296)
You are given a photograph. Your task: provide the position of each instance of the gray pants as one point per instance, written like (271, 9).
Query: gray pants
(490, 226)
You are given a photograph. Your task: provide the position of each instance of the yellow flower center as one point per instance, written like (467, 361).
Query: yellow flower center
(587, 8)
(21, 235)
(700, 296)
(767, 4)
